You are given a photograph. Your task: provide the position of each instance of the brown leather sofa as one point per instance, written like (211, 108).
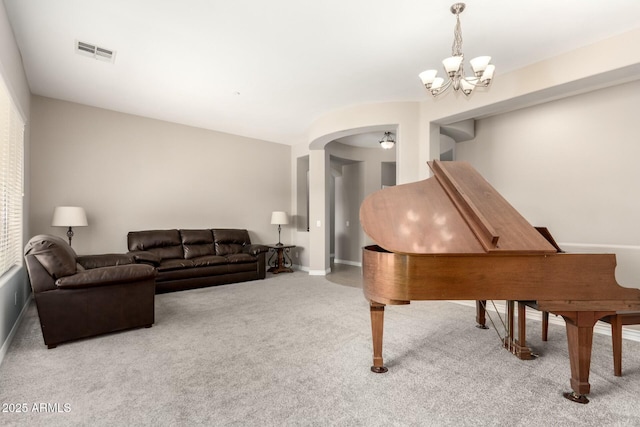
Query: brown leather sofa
(79, 297)
(187, 259)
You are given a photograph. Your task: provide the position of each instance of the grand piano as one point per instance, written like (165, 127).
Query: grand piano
(454, 237)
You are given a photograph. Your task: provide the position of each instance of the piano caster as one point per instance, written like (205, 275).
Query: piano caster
(379, 369)
(578, 398)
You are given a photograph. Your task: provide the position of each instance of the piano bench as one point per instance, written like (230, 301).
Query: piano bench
(617, 321)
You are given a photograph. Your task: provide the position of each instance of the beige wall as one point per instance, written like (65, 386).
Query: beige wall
(356, 181)
(571, 165)
(134, 173)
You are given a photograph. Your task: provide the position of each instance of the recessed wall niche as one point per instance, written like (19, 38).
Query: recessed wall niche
(302, 192)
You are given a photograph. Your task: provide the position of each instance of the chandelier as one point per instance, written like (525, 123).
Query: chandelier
(387, 142)
(454, 67)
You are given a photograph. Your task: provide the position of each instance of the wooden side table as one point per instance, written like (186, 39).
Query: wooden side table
(280, 260)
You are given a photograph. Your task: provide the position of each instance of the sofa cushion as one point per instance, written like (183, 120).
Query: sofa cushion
(197, 243)
(240, 258)
(55, 255)
(230, 241)
(163, 243)
(146, 257)
(174, 264)
(194, 273)
(208, 260)
(241, 267)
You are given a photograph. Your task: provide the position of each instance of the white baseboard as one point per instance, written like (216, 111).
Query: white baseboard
(347, 262)
(7, 343)
(328, 270)
(319, 272)
(600, 327)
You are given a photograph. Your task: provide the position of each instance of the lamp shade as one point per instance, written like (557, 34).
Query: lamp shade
(487, 75)
(69, 216)
(452, 64)
(428, 76)
(480, 64)
(279, 217)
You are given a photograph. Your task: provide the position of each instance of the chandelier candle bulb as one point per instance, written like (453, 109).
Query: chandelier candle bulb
(452, 65)
(467, 85)
(437, 83)
(428, 77)
(487, 75)
(480, 64)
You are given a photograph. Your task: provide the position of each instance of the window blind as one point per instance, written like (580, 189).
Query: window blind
(11, 181)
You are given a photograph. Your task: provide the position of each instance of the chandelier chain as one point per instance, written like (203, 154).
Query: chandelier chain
(456, 48)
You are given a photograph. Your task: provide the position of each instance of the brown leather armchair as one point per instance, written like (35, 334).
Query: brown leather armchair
(79, 297)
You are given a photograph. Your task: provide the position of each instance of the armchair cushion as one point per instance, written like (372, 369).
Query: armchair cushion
(89, 262)
(107, 276)
(55, 255)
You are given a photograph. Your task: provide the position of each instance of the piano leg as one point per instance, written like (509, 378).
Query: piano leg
(522, 351)
(616, 341)
(517, 347)
(580, 340)
(481, 311)
(509, 339)
(377, 326)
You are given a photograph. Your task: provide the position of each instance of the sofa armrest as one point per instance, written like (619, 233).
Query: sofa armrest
(103, 276)
(255, 249)
(146, 257)
(106, 260)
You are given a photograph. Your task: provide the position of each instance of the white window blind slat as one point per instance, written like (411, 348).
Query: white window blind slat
(11, 182)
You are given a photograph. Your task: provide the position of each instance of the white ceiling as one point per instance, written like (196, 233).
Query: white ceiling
(367, 139)
(268, 69)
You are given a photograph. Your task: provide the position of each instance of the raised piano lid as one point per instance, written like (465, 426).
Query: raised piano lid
(454, 212)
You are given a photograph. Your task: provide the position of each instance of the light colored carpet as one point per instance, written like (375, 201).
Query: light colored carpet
(296, 350)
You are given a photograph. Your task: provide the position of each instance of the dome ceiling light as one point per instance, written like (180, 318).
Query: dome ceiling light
(387, 142)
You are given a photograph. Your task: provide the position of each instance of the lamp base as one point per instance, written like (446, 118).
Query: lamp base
(70, 235)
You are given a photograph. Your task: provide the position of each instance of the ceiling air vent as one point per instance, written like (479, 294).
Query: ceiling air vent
(95, 52)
